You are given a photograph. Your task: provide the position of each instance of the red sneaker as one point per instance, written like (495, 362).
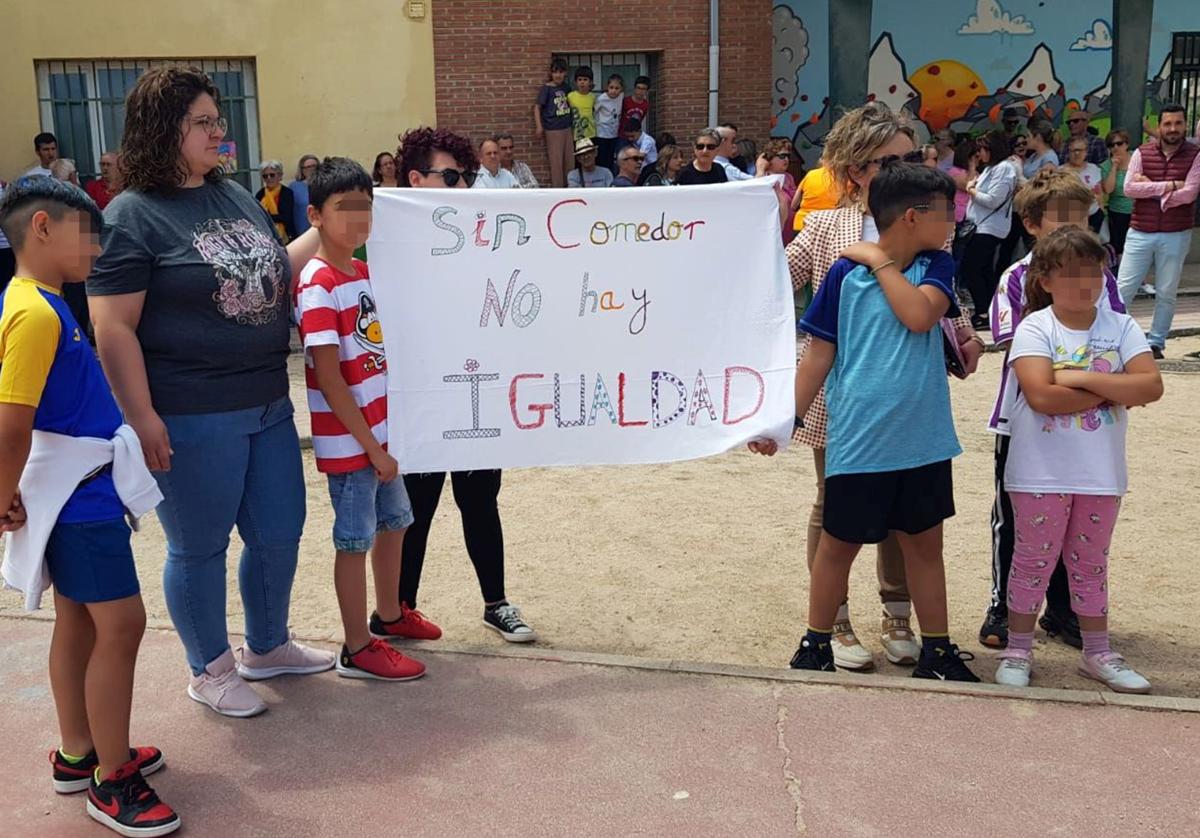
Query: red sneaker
(70, 777)
(412, 624)
(380, 661)
(125, 803)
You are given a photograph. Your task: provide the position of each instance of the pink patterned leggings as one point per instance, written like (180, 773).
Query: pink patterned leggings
(1077, 527)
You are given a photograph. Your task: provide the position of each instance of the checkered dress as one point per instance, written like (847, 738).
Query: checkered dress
(811, 254)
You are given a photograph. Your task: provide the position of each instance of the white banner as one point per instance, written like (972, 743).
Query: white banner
(573, 327)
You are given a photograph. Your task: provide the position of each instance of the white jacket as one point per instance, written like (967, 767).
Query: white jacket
(56, 466)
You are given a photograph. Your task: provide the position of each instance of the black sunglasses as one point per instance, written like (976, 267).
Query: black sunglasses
(1116, 143)
(705, 147)
(886, 160)
(451, 176)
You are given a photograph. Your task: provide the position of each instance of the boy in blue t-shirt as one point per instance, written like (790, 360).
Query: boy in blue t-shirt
(877, 348)
(50, 381)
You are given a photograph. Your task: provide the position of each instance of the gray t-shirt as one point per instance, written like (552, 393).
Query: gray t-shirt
(214, 328)
(597, 177)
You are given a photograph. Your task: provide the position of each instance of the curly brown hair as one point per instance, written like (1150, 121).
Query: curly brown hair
(154, 113)
(418, 145)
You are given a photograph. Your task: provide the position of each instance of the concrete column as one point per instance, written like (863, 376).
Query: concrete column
(849, 54)
(1132, 20)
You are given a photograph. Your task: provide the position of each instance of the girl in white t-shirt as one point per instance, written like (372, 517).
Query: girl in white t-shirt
(1079, 368)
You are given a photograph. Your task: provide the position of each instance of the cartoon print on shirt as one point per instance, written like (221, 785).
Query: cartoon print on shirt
(1092, 419)
(249, 269)
(368, 333)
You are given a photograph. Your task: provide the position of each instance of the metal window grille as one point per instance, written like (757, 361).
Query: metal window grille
(83, 104)
(628, 65)
(1183, 86)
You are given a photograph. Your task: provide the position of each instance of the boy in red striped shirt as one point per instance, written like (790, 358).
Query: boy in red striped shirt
(346, 375)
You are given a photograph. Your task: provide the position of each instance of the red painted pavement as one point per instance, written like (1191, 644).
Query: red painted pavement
(500, 747)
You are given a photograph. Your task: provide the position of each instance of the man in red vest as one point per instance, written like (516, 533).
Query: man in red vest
(1163, 180)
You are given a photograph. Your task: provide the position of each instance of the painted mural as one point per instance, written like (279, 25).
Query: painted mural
(959, 63)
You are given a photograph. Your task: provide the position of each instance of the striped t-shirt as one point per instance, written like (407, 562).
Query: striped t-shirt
(1007, 306)
(337, 309)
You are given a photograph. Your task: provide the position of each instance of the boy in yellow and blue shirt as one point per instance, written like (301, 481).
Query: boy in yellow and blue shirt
(50, 381)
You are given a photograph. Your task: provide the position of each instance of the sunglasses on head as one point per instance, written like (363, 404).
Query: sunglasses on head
(450, 177)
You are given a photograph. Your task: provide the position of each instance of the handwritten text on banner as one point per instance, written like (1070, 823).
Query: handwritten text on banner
(553, 327)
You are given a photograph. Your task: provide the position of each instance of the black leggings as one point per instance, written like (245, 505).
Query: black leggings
(979, 271)
(475, 492)
(1118, 228)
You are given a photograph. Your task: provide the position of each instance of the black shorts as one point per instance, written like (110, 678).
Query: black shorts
(863, 508)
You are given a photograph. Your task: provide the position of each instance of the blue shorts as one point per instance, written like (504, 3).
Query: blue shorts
(362, 506)
(93, 561)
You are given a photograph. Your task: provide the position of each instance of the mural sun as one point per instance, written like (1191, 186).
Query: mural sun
(947, 90)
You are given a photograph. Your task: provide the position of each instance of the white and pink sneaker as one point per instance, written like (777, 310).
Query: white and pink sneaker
(289, 658)
(1112, 670)
(222, 689)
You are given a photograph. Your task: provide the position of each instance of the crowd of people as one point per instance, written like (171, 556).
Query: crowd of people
(193, 284)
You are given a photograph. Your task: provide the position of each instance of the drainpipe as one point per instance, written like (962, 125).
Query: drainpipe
(714, 58)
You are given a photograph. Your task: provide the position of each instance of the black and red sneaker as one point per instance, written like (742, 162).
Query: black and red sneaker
(70, 778)
(125, 803)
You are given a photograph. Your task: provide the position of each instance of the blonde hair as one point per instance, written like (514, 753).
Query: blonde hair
(1049, 185)
(853, 141)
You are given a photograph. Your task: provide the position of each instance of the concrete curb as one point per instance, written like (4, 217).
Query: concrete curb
(1094, 698)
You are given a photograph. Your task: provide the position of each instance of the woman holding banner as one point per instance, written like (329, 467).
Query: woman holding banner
(438, 159)
(855, 150)
(190, 301)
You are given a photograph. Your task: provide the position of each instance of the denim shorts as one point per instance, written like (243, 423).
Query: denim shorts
(362, 506)
(92, 561)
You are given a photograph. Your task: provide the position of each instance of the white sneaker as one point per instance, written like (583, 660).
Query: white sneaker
(899, 643)
(1015, 668)
(288, 658)
(1147, 289)
(1112, 670)
(221, 688)
(848, 653)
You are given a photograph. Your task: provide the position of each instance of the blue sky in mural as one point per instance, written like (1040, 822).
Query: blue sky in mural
(994, 38)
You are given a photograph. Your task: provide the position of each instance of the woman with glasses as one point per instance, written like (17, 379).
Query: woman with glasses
(438, 159)
(191, 300)
(855, 150)
(990, 210)
(1120, 208)
(703, 169)
(277, 200)
(1089, 173)
(304, 169)
(776, 159)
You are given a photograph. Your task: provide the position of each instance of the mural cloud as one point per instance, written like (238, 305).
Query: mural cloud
(1099, 37)
(791, 53)
(990, 18)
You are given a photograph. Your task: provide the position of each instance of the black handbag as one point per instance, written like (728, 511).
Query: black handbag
(966, 229)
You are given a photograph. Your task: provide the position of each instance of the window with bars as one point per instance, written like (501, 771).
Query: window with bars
(83, 104)
(627, 65)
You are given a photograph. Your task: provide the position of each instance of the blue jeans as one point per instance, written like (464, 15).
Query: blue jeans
(362, 506)
(1165, 252)
(238, 468)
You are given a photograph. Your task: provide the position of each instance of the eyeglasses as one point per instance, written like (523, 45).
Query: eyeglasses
(310, 165)
(883, 161)
(782, 156)
(1116, 143)
(705, 147)
(1073, 120)
(211, 126)
(270, 175)
(637, 157)
(451, 176)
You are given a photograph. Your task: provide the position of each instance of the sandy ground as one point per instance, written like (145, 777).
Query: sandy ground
(704, 560)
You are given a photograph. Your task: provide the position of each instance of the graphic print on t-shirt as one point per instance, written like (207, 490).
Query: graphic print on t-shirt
(368, 334)
(249, 269)
(1104, 358)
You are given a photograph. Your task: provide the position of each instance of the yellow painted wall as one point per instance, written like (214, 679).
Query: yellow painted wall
(334, 76)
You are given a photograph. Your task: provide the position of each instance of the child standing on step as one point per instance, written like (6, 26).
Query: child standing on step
(1079, 367)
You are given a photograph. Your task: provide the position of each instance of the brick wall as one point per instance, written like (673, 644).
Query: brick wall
(491, 57)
